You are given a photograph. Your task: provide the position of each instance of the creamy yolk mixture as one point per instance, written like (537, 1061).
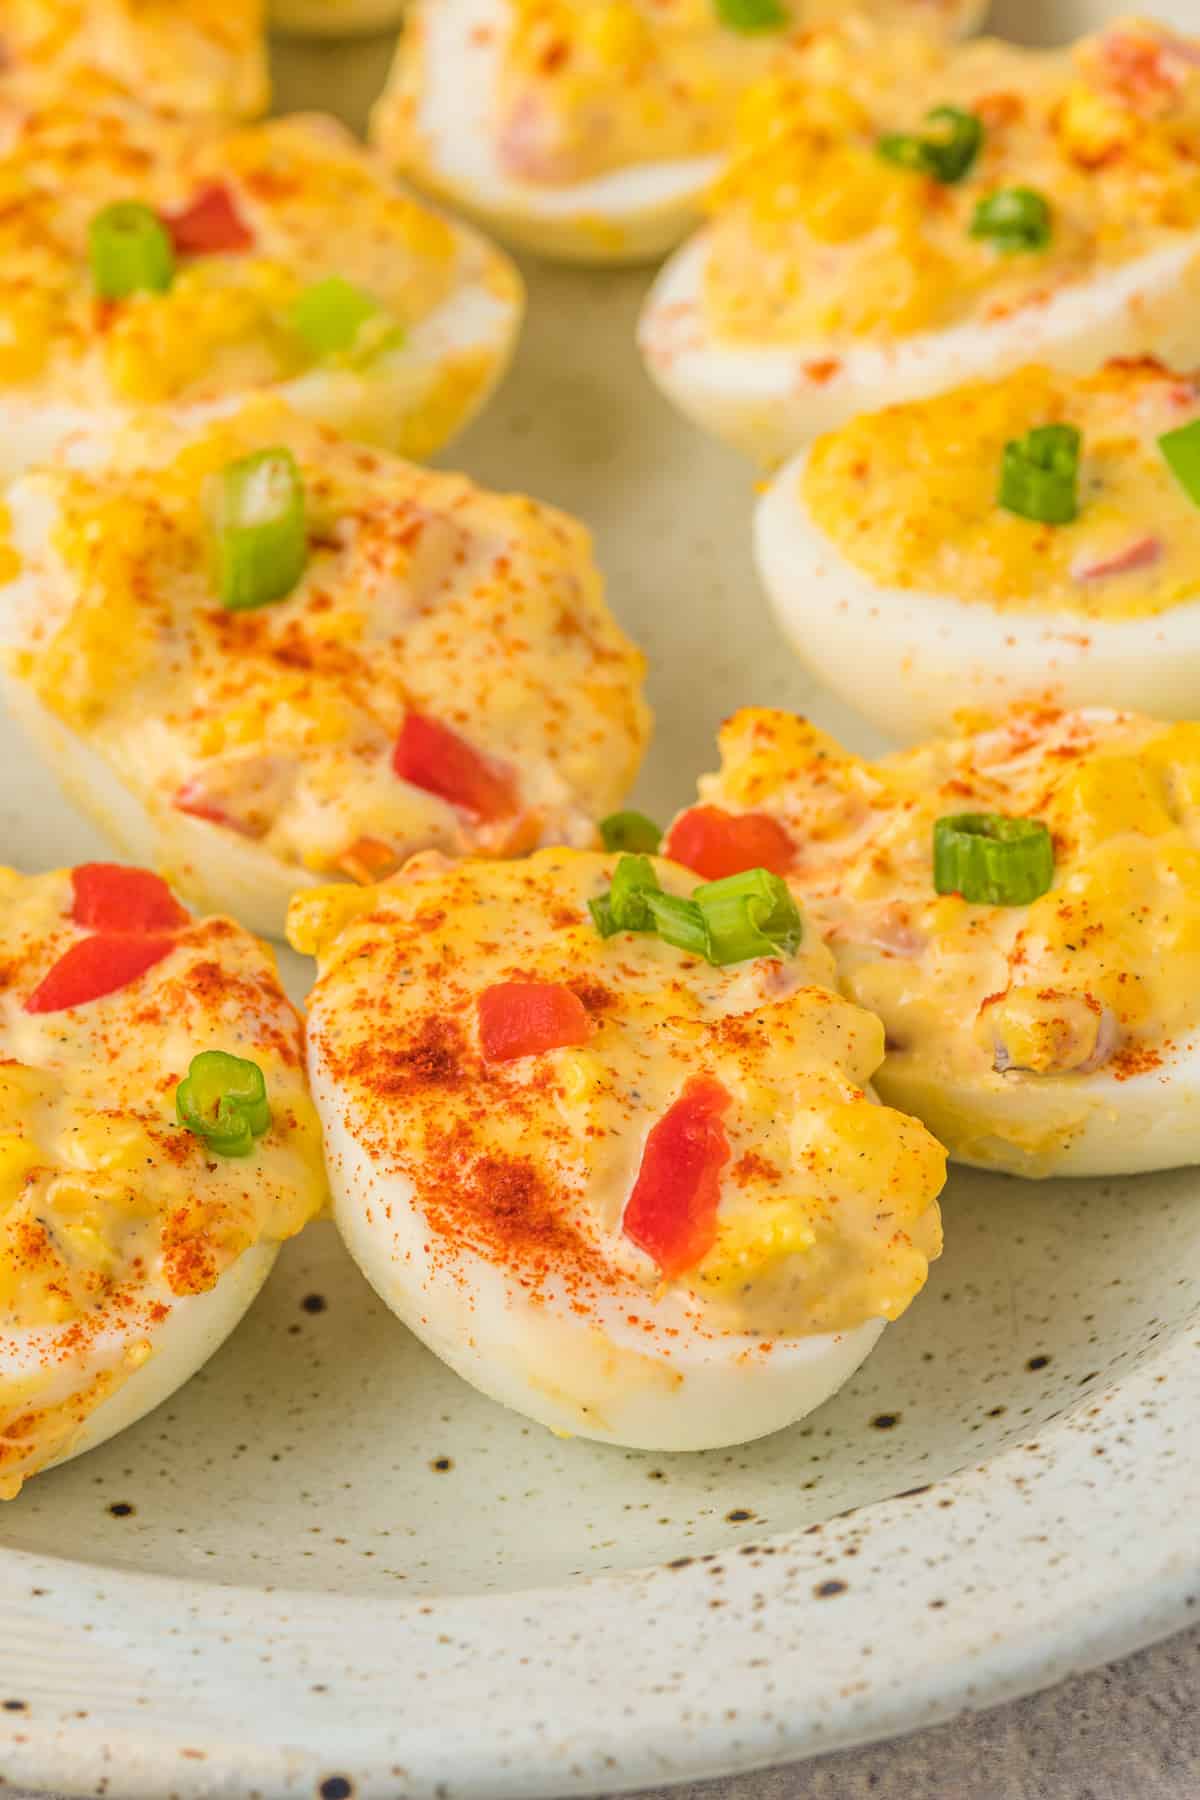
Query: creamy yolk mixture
(815, 234)
(1101, 972)
(109, 1209)
(182, 55)
(312, 203)
(827, 1213)
(909, 495)
(422, 592)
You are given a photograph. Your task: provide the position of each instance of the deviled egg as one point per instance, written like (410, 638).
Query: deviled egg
(189, 56)
(1032, 538)
(1019, 905)
(262, 657)
(899, 218)
(590, 129)
(156, 261)
(335, 18)
(633, 1193)
(157, 1144)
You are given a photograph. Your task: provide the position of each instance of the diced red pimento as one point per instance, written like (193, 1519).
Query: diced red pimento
(194, 799)
(435, 758)
(672, 1211)
(527, 1018)
(96, 966)
(716, 843)
(209, 225)
(110, 897)
(1141, 553)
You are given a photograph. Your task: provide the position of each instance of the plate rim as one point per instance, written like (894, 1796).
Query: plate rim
(536, 1669)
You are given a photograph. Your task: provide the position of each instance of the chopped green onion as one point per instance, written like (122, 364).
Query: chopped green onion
(630, 831)
(331, 314)
(633, 882)
(679, 922)
(751, 914)
(1182, 451)
(223, 1099)
(259, 530)
(992, 860)
(945, 153)
(751, 15)
(130, 251)
(1013, 219)
(1039, 477)
(602, 916)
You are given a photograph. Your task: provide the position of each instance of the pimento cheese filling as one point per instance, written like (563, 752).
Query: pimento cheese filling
(180, 55)
(816, 234)
(110, 1211)
(1101, 973)
(585, 87)
(911, 495)
(826, 1211)
(259, 214)
(434, 621)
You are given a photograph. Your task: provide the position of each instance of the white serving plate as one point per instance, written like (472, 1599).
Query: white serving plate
(328, 1568)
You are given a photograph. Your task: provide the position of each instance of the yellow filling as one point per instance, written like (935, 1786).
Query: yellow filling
(827, 1209)
(909, 496)
(817, 236)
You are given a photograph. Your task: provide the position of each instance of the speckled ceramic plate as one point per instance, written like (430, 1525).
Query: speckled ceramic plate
(328, 1568)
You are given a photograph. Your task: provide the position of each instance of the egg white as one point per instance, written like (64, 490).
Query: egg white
(769, 400)
(1042, 1126)
(334, 18)
(193, 1329)
(473, 319)
(678, 1386)
(628, 215)
(909, 660)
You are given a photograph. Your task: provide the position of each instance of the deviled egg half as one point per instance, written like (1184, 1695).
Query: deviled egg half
(899, 218)
(189, 56)
(157, 1144)
(1032, 538)
(1019, 905)
(261, 657)
(633, 1193)
(335, 18)
(156, 261)
(590, 129)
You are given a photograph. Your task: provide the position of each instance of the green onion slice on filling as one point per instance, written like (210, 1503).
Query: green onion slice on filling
(130, 251)
(992, 860)
(1013, 219)
(330, 315)
(751, 15)
(223, 1099)
(945, 153)
(1182, 451)
(1039, 477)
(630, 831)
(751, 914)
(260, 536)
(729, 921)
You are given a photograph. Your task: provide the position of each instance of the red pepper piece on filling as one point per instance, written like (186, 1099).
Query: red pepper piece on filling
(96, 966)
(525, 1018)
(209, 224)
(672, 1211)
(716, 843)
(435, 758)
(110, 897)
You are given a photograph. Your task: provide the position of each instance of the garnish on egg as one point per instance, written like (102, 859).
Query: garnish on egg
(992, 860)
(260, 533)
(1039, 477)
(223, 1099)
